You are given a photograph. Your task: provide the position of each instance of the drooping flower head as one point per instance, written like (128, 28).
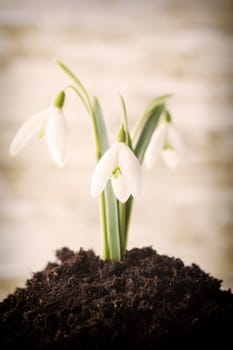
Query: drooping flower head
(119, 164)
(50, 124)
(166, 143)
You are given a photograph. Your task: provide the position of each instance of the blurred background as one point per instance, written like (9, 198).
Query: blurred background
(140, 49)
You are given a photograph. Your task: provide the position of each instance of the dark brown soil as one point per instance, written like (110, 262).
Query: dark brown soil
(149, 301)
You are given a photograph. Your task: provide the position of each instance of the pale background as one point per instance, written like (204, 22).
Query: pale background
(140, 49)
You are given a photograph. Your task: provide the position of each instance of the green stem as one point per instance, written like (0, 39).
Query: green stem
(75, 79)
(104, 244)
(128, 211)
(80, 96)
(83, 95)
(122, 206)
(122, 222)
(112, 224)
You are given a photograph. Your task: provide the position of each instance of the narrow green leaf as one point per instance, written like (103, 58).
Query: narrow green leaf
(139, 150)
(128, 211)
(82, 98)
(109, 210)
(147, 131)
(150, 107)
(103, 222)
(122, 221)
(110, 226)
(125, 117)
(155, 102)
(113, 232)
(102, 141)
(101, 127)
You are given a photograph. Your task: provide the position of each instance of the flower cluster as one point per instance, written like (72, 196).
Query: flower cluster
(118, 163)
(117, 177)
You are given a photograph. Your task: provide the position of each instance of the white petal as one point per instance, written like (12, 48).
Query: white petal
(103, 170)
(171, 158)
(156, 145)
(31, 127)
(131, 170)
(56, 136)
(120, 188)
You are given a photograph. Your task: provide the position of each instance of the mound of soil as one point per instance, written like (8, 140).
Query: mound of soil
(148, 301)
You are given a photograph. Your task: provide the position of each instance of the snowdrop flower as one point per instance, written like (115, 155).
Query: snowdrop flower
(50, 124)
(123, 168)
(166, 143)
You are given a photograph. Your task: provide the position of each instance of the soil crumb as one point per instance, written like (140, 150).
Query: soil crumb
(148, 301)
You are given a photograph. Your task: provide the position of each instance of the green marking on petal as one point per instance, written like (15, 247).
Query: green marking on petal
(41, 134)
(167, 146)
(116, 172)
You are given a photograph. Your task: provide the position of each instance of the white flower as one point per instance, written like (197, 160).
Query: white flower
(167, 143)
(49, 123)
(123, 168)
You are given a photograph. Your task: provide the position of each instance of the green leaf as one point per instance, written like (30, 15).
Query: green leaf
(139, 150)
(101, 127)
(150, 107)
(113, 232)
(147, 131)
(103, 223)
(125, 117)
(108, 203)
(110, 226)
(155, 102)
(128, 211)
